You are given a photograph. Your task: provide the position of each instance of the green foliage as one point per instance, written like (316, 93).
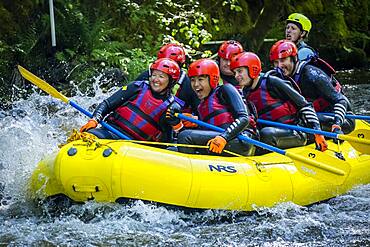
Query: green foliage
(234, 5)
(138, 61)
(185, 21)
(99, 35)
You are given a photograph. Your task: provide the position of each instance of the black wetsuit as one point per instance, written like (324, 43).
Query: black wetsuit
(228, 96)
(184, 92)
(125, 94)
(229, 79)
(303, 113)
(315, 83)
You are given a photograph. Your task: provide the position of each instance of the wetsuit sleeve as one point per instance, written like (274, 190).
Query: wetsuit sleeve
(323, 84)
(117, 99)
(284, 90)
(231, 98)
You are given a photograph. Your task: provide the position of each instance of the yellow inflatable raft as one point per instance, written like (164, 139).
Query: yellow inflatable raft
(107, 171)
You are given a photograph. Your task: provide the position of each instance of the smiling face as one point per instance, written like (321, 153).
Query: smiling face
(242, 76)
(285, 64)
(225, 67)
(200, 85)
(158, 81)
(293, 33)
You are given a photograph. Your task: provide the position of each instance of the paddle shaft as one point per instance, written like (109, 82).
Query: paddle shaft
(348, 138)
(104, 124)
(361, 117)
(241, 137)
(298, 128)
(294, 156)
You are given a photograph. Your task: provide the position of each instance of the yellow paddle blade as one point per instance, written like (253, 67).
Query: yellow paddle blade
(42, 84)
(359, 139)
(320, 165)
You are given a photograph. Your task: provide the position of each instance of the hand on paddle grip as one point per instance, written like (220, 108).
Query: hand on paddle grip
(188, 124)
(217, 144)
(337, 130)
(91, 124)
(171, 119)
(321, 143)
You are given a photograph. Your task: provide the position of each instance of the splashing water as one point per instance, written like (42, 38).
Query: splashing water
(34, 127)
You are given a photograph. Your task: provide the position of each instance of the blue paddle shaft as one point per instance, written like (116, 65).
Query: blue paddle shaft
(361, 117)
(241, 137)
(298, 128)
(104, 124)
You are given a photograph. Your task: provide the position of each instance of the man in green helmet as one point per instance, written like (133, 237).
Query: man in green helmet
(297, 28)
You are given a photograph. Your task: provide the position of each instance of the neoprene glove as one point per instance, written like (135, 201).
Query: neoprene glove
(172, 120)
(321, 143)
(337, 130)
(91, 124)
(217, 144)
(170, 116)
(187, 123)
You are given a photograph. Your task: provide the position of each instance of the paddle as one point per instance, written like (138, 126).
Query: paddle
(361, 143)
(334, 170)
(53, 92)
(361, 117)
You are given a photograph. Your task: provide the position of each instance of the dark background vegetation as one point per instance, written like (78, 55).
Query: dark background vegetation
(121, 37)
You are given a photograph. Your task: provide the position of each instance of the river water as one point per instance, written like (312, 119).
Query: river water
(35, 126)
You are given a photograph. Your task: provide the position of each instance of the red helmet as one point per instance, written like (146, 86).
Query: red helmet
(229, 48)
(208, 67)
(247, 59)
(173, 51)
(167, 66)
(282, 49)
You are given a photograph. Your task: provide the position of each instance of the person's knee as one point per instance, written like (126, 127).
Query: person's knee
(268, 136)
(184, 137)
(283, 138)
(348, 126)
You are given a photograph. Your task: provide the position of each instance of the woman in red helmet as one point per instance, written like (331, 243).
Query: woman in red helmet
(226, 51)
(275, 100)
(139, 109)
(184, 92)
(221, 106)
(316, 85)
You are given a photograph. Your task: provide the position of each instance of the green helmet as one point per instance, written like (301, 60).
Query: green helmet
(301, 21)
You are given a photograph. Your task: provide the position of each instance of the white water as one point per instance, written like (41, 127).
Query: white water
(35, 126)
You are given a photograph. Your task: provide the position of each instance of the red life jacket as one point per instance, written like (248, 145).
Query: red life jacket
(140, 116)
(270, 108)
(213, 112)
(320, 104)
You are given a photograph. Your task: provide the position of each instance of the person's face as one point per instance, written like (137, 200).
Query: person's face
(293, 33)
(201, 86)
(285, 64)
(158, 81)
(225, 67)
(242, 76)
